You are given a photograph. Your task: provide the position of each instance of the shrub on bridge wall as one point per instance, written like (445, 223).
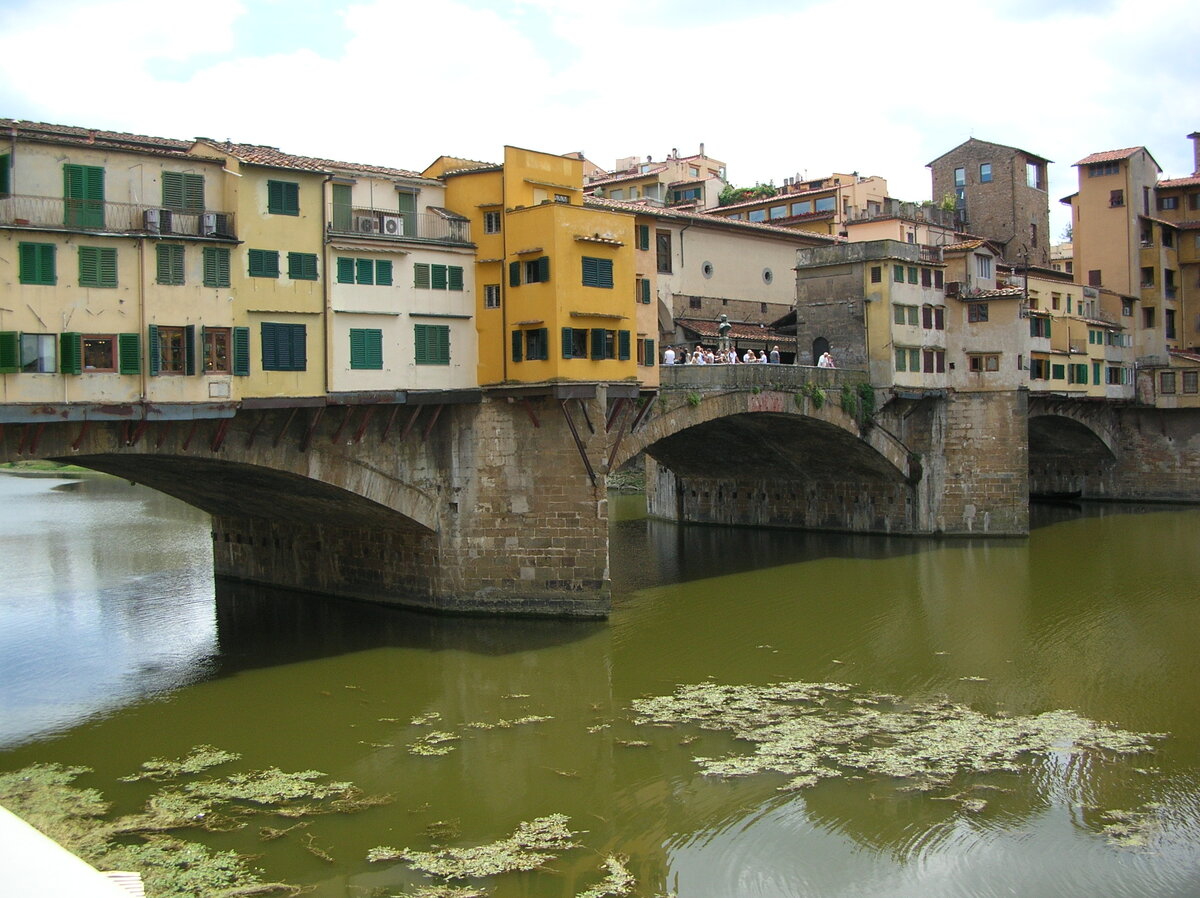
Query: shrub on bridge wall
(812, 392)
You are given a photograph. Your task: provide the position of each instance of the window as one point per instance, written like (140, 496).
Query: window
(1169, 323)
(779, 211)
(341, 204)
(1039, 326)
(1077, 373)
(302, 266)
(1058, 372)
(960, 177)
(694, 302)
(283, 198)
(645, 351)
(979, 364)
(119, 353)
(38, 355)
(215, 345)
(1035, 175)
(804, 207)
(36, 263)
(1168, 202)
(574, 343)
(757, 215)
(531, 271)
(876, 274)
(825, 204)
(366, 348)
(491, 296)
(97, 266)
(99, 353)
(1193, 198)
(1056, 300)
(934, 361)
(1148, 318)
(1039, 369)
(216, 266)
(662, 245)
(533, 344)
(597, 272)
(431, 343)
(1166, 382)
(562, 198)
(912, 274)
(264, 263)
(1116, 375)
(985, 173)
(182, 190)
(168, 259)
(1094, 277)
(1100, 169)
(1191, 381)
(644, 291)
(6, 174)
(284, 347)
(926, 277)
(898, 274)
(1116, 198)
(83, 196)
(364, 271)
(938, 278)
(908, 359)
(1033, 233)
(171, 349)
(977, 311)
(491, 222)
(642, 235)
(927, 317)
(983, 266)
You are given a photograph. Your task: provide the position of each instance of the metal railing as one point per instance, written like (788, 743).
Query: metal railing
(787, 378)
(122, 218)
(392, 225)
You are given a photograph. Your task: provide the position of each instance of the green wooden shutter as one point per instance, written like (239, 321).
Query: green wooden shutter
(544, 343)
(644, 285)
(216, 266)
(383, 272)
(543, 269)
(1047, 320)
(345, 270)
(421, 344)
(154, 350)
(169, 263)
(421, 275)
(439, 276)
(623, 345)
(83, 196)
(302, 266)
(514, 274)
(172, 189)
(299, 346)
(5, 174)
(129, 353)
(97, 266)
(342, 208)
(643, 236)
(10, 349)
(189, 349)
(364, 271)
(241, 351)
(270, 350)
(36, 263)
(589, 271)
(568, 342)
(70, 353)
(264, 263)
(454, 276)
(406, 204)
(517, 337)
(283, 197)
(651, 358)
(598, 338)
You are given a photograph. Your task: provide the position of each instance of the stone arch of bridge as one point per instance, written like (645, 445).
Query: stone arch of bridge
(768, 434)
(1065, 431)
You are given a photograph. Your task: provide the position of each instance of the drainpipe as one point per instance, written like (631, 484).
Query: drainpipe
(327, 287)
(505, 339)
(142, 332)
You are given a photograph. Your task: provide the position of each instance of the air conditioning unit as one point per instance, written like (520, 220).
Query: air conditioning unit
(953, 288)
(366, 224)
(208, 224)
(392, 225)
(151, 220)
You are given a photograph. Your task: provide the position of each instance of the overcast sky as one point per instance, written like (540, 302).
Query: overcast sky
(770, 87)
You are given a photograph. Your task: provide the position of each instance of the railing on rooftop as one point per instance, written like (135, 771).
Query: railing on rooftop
(787, 378)
(18, 210)
(893, 208)
(390, 224)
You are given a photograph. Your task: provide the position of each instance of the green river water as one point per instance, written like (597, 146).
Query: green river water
(116, 647)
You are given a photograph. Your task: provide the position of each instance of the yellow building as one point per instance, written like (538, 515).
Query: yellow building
(558, 291)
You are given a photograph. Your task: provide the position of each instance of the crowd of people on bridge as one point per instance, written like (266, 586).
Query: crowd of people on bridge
(702, 355)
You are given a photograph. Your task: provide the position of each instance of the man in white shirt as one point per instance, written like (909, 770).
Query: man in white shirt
(669, 356)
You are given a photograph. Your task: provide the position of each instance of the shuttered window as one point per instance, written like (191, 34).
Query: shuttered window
(366, 348)
(216, 266)
(643, 290)
(241, 351)
(383, 272)
(97, 266)
(283, 198)
(432, 344)
(364, 271)
(169, 263)
(345, 270)
(597, 272)
(10, 352)
(129, 353)
(171, 349)
(5, 174)
(283, 347)
(264, 263)
(83, 196)
(183, 190)
(36, 263)
(438, 277)
(302, 266)
(643, 237)
(623, 341)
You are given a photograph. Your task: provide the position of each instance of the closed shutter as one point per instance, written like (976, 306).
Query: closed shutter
(383, 272)
(270, 346)
(169, 263)
(345, 270)
(181, 190)
(517, 337)
(438, 273)
(241, 351)
(643, 237)
(10, 351)
(598, 338)
(366, 348)
(36, 263)
(129, 353)
(455, 277)
(154, 348)
(70, 353)
(568, 342)
(544, 343)
(302, 266)
(216, 266)
(342, 208)
(421, 275)
(299, 347)
(83, 196)
(189, 349)
(364, 271)
(623, 345)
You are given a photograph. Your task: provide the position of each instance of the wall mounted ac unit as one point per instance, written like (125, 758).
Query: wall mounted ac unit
(151, 220)
(208, 224)
(366, 224)
(393, 225)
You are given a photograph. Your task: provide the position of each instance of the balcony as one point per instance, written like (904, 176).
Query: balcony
(55, 213)
(389, 224)
(893, 208)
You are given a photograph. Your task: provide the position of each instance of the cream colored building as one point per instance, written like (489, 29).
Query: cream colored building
(695, 181)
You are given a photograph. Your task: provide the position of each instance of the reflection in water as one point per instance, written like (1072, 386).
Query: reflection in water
(113, 650)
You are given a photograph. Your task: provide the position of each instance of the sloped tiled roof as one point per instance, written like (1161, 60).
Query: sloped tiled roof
(976, 141)
(999, 293)
(1186, 356)
(1190, 181)
(614, 178)
(779, 197)
(963, 245)
(1109, 156)
(271, 156)
(706, 327)
(716, 220)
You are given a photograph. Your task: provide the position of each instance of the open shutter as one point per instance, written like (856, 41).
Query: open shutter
(383, 272)
(651, 358)
(438, 273)
(421, 275)
(70, 353)
(454, 276)
(241, 351)
(514, 274)
(345, 270)
(543, 269)
(568, 342)
(299, 347)
(129, 352)
(598, 339)
(154, 347)
(544, 342)
(189, 349)
(517, 336)
(10, 352)
(364, 271)
(623, 345)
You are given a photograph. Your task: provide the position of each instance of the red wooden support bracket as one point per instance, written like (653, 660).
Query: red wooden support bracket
(312, 427)
(82, 433)
(286, 425)
(618, 406)
(412, 419)
(37, 436)
(529, 411)
(391, 420)
(138, 432)
(362, 428)
(191, 433)
(617, 442)
(124, 433)
(578, 442)
(219, 436)
(345, 419)
(437, 410)
(254, 430)
(642, 412)
(587, 420)
(164, 431)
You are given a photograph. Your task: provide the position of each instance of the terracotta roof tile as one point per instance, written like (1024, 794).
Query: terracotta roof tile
(707, 328)
(680, 214)
(1189, 181)
(1109, 155)
(1001, 293)
(1187, 356)
(261, 155)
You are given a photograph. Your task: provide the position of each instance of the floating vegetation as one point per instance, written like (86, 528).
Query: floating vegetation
(516, 695)
(1132, 829)
(443, 830)
(78, 819)
(427, 719)
(434, 744)
(528, 848)
(503, 724)
(617, 883)
(201, 758)
(444, 892)
(813, 731)
(633, 743)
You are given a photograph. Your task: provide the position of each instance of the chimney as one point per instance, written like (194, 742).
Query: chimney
(1195, 139)
(701, 150)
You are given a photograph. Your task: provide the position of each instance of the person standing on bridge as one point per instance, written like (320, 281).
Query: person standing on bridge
(669, 356)
(826, 361)
(775, 355)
